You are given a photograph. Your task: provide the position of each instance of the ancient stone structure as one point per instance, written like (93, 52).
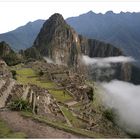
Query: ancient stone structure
(41, 100)
(43, 103)
(4, 72)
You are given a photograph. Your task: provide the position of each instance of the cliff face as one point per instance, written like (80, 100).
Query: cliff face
(8, 55)
(58, 41)
(5, 49)
(96, 48)
(115, 71)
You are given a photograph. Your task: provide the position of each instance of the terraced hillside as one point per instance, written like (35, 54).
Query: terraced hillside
(59, 98)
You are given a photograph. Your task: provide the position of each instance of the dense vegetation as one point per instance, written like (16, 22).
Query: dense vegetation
(8, 55)
(20, 105)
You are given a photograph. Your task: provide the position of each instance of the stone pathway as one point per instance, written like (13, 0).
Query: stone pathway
(31, 128)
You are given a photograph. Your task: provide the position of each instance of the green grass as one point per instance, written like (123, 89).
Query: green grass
(97, 101)
(6, 132)
(73, 119)
(26, 72)
(77, 131)
(59, 95)
(28, 75)
(78, 105)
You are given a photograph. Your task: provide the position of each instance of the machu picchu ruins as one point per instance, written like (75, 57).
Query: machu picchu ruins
(76, 96)
(51, 92)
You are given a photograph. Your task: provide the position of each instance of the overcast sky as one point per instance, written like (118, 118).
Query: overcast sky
(14, 13)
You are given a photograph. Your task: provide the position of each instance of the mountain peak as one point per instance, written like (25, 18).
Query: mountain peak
(58, 41)
(90, 12)
(109, 12)
(3, 43)
(56, 16)
(56, 19)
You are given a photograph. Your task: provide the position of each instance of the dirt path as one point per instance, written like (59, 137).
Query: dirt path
(32, 128)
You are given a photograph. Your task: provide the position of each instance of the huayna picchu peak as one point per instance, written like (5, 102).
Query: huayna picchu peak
(56, 19)
(58, 41)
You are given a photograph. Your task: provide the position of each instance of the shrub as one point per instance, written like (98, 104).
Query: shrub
(20, 105)
(14, 74)
(109, 114)
(41, 73)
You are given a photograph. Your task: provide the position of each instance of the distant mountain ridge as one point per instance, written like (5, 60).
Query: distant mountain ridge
(22, 37)
(121, 30)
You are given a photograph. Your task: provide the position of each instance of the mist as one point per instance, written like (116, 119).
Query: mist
(106, 61)
(124, 97)
(106, 68)
(48, 60)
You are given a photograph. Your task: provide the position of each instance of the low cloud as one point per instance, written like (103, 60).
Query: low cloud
(106, 61)
(49, 60)
(58, 62)
(124, 97)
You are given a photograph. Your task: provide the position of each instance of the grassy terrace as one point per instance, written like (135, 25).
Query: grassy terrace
(28, 75)
(73, 119)
(60, 96)
(6, 132)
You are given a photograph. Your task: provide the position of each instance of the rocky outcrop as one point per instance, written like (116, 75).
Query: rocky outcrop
(4, 72)
(120, 71)
(96, 48)
(58, 41)
(135, 75)
(8, 55)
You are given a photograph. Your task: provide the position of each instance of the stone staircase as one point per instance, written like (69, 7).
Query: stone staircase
(41, 100)
(45, 104)
(11, 90)
(5, 91)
